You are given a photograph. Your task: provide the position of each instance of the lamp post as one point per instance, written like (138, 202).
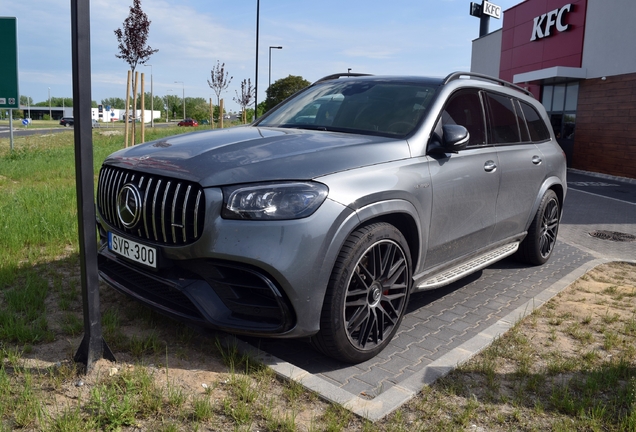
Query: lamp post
(182, 83)
(152, 101)
(50, 115)
(258, 8)
(270, 63)
(167, 106)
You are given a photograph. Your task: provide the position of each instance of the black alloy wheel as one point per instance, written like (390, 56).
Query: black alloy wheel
(539, 244)
(367, 295)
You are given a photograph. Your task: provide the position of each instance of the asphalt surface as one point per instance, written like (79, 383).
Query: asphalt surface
(448, 326)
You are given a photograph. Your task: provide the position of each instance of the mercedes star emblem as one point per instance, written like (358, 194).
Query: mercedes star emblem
(129, 205)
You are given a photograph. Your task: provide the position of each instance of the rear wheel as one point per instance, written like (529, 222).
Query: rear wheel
(367, 294)
(538, 245)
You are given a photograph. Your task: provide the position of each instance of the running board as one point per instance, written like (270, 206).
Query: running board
(466, 268)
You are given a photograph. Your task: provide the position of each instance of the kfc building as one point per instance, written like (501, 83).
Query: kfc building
(578, 57)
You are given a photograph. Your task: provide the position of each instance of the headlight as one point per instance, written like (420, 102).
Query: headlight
(273, 201)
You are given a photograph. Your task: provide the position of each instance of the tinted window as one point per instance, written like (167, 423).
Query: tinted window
(377, 107)
(464, 109)
(503, 120)
(536, 126)
(523, 128)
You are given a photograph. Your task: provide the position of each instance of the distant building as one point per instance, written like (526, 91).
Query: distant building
(578, 58)
(38, 113)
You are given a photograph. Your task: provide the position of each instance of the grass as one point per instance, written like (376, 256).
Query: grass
(568, 366)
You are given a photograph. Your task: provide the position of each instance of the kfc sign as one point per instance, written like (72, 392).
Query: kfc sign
(543, 24)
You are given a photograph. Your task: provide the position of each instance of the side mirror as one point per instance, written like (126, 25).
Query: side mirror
(455, 138)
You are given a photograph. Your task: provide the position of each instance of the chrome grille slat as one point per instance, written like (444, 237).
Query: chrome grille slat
(163, 212)
(177, 206)
(196, 215)
(154, 206)
(117, 187)
(145, 213)
(172, 212)
(183, 215)
(111, 179)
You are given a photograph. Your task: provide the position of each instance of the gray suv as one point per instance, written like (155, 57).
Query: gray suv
(322, 217)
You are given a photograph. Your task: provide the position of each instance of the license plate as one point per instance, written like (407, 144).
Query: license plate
(132, 250)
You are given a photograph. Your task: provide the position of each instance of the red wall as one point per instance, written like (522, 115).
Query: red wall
(519, 54)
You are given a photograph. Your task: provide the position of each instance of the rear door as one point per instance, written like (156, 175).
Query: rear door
(521, 164)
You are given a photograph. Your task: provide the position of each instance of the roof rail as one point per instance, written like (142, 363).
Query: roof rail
(458, 75)
(340, 75)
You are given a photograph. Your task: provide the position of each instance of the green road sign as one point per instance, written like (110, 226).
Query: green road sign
(9, 93)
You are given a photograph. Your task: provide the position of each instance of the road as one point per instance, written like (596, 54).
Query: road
(22, 131)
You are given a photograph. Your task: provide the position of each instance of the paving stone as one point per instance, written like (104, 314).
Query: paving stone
(357, 387)
(461, 325)
(376, 376)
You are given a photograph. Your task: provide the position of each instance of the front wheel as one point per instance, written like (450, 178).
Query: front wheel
(367, 294)
(538, 245)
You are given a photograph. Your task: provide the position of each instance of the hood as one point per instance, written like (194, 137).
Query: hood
(253, 154)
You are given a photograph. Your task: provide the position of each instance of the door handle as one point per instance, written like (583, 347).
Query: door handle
(537, 160)
(490, 166)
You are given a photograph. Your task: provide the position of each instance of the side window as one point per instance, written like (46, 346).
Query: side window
(503, 120)
(523, 127)
(464, 108)
(536, 126)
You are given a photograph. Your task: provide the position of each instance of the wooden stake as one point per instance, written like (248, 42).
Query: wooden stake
(211, 114)
(126, 112)
(134, 126)
(221, 114)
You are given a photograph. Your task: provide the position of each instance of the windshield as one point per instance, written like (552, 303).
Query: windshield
(386, 108)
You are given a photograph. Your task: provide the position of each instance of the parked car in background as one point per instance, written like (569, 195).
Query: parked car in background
(95, 123)
(66, 121)
(322, 217)
(188, 122)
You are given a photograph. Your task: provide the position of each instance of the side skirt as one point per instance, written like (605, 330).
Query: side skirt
(467, 267)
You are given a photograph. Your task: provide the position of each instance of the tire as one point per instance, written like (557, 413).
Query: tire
(367, 294)
(539, 244)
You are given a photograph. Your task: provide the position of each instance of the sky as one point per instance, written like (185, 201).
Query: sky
(389, 37)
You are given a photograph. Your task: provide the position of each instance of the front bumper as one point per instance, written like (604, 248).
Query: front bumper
(209, 293)
(260, 278)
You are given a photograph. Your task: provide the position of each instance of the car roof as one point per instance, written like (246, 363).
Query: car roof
(434, 81)
(479, 80)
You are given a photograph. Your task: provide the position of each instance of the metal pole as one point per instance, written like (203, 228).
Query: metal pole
(270, 63)
(50, 115)
(183, 84)
(484, 22)
(258, 8)
(11, 128)
(152, 101)
(93, 347)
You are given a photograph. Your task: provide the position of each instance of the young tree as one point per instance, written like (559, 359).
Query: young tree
(132, 39)
(219, 80)
(246, 98)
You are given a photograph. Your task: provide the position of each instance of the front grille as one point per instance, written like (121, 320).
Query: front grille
(172, 210)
